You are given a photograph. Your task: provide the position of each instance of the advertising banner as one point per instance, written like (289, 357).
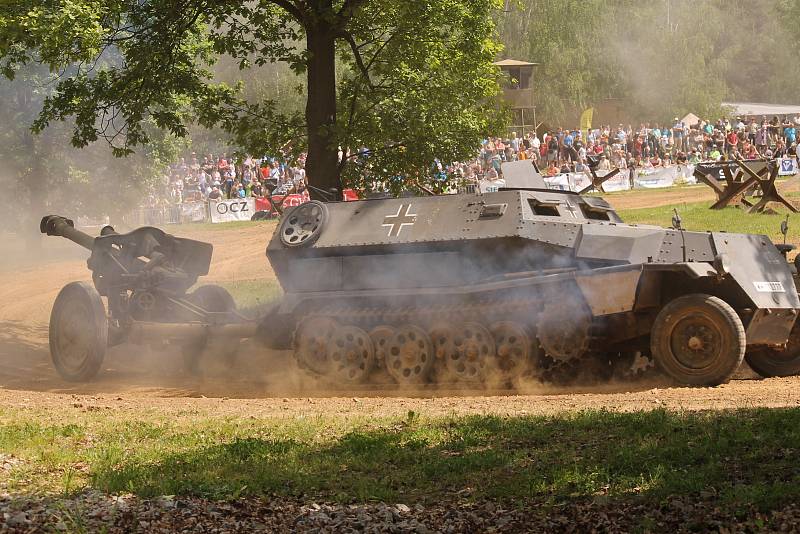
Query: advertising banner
(787, 166)
(240, 209)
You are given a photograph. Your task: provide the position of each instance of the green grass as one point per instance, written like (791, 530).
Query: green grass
(740, 457)
(253, 294)
(698, 216)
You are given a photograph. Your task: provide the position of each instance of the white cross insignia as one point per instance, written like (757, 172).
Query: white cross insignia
(396, 222)
(571, 209)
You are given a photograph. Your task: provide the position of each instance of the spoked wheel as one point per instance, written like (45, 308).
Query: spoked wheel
(769, 362)
(409, 355)
(311, 343)
(215, 299)
(472, 348)
(303, 224)
(78, 332)
(698, 340)
(514, 351)
(381, 336)
(351, 354)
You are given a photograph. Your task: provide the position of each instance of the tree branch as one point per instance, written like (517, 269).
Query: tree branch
(292, 9)
(348, 8)
(357, 55)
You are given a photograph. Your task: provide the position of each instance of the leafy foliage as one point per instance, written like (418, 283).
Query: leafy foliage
(44, 173)
(657, 59)
(407, 71)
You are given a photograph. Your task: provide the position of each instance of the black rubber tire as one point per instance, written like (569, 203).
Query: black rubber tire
(769, 362)
(211, 298)
(718, 319)
(78, 301)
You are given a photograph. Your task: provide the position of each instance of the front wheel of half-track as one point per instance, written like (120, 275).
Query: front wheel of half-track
(698, 340)
(769, 362)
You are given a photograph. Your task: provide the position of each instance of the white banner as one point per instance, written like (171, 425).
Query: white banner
(620, 182)
(240, 209)
(193, 211)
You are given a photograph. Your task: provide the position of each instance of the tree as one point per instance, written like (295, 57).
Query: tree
(402, 66)
(43, 173)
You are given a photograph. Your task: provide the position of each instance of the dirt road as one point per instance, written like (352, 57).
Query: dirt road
(262, 380)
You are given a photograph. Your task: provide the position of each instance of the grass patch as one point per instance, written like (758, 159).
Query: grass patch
(253, 294)
(698, 216)
(740, 457)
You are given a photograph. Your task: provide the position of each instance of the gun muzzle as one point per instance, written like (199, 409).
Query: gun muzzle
(63, 227)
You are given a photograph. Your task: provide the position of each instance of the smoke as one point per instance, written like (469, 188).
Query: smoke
(248, 369)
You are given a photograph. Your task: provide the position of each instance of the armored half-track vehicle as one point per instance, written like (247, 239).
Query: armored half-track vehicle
(473, 289)
(526, 280)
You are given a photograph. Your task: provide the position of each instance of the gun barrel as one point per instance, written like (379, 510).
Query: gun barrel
(63, 227)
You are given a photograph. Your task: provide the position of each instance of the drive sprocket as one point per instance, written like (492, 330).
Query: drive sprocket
(564, 329)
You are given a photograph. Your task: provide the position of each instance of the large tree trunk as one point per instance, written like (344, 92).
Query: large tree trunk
(321, 165)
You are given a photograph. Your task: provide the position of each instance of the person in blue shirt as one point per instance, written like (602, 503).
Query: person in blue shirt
(790, 133)
(677, 134)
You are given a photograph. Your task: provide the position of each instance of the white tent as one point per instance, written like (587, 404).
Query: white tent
(751, 109)
(690, 119)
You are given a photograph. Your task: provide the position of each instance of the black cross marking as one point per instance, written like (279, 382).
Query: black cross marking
(396, 222)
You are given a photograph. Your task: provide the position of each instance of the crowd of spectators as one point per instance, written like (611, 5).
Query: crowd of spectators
(210, 177)
(648, 146)
(219, 177)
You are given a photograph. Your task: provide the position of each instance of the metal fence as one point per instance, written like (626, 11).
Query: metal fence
(173, 214)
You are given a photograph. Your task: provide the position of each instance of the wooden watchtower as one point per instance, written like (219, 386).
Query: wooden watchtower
(518, 94)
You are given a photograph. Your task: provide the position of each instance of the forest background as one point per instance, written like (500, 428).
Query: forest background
(657, 59)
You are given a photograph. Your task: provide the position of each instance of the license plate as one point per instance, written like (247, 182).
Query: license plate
(769, 287)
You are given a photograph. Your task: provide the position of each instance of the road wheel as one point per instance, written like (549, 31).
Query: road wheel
(472, 348)
(409, 355)
(78, 332)
(311, 343)
(698, 340)
(351, 354)
(215, 299)
(515, 351)
(769, 362)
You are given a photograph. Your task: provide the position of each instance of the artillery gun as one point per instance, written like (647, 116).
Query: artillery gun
(145, 276)
(474, 289)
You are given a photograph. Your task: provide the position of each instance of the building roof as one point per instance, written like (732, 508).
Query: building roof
(514, 63)
(751, 108)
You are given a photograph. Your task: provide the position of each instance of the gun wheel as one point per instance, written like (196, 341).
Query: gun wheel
(351, 354)
(78, 332)
(409, 355)
(214, 299)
